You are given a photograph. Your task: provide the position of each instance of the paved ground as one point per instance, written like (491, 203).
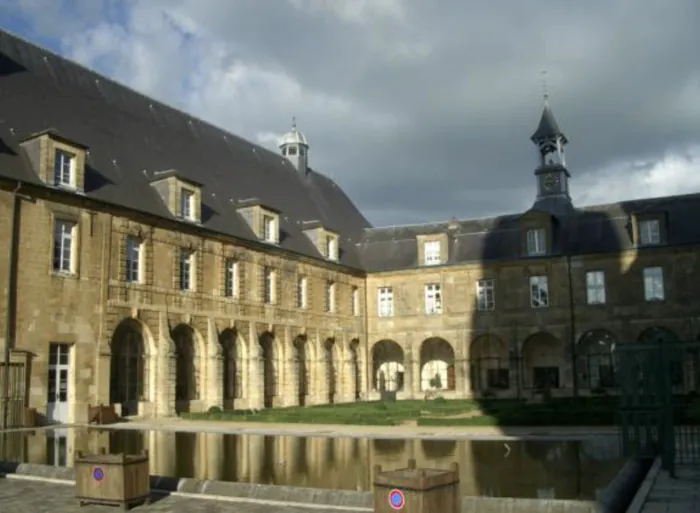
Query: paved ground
(679, 495)
(20, 496)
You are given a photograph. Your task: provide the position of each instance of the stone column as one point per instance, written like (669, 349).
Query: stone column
(288, 372)
(253, 376)
(165, 375)
(213, 394)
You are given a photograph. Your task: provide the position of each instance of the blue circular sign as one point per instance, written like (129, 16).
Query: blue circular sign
(98, 474)
(396, 499)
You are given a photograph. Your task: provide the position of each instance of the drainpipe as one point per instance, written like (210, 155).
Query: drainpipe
(572, 322)
(11, 302)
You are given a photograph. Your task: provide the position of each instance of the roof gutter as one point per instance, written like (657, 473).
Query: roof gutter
(11, 302)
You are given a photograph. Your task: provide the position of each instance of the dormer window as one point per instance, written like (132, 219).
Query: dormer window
(64, 169)
(187, 205)
(431, 252)
(331, 247)
(649, 232)
(269, 229)
(536, 242)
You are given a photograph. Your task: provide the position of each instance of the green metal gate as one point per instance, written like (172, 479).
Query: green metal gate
(659, 380)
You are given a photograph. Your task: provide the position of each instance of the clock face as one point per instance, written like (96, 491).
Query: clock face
(550, 181)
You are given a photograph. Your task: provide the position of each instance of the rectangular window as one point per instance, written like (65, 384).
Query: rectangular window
(64, 169)
(539, 292)
(485, 295)
(433, 299)
(64, 246)
(431, 252)
(269, 229)
(269, 286)
(331, 248)
(302, 293)
(536, 241)
(187, 204)
(355, 301)
(385, 302)
(231, 277)
(133, 259)
(595, 287)
(186, 269)
(649, 232)
(653, 284)
(330, 297)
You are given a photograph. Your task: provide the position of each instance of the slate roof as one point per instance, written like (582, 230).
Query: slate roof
(130, 137)
(595, 229)
(548, 128)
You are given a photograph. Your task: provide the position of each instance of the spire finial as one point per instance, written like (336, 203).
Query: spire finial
(545, 92)
(294, 122)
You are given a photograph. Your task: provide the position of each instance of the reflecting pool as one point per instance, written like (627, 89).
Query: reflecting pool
(539, 469)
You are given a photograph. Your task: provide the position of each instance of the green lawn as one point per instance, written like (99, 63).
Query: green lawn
(590, 411)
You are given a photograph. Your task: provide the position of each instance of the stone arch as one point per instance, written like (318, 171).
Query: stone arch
(270, 356)
(680, 367)
(301, 364)
(355, 374)
(330, 357)
(131, 365)
(542, 359)
(188, 352)
(489, 363)
(437, 365)
(387, 366)
(233, 358)
(595, 360)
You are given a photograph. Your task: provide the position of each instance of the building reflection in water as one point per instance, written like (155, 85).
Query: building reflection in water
(562, 470)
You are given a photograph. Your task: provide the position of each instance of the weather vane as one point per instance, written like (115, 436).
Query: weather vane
(545, 93)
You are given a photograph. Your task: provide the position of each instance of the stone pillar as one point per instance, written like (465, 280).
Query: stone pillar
(253, 376)
(213, 394)
(314, 364)
(165, 371)
(288, 372)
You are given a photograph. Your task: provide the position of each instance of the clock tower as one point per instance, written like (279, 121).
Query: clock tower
(552, 175)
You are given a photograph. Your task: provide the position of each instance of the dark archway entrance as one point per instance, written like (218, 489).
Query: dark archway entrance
(329, 350)
(269, 370)
(489, 364)
(232, 367)
(387, 366)
(542, 358)
(302, 369)
(595, 360)
(127, 366)
(186, 388)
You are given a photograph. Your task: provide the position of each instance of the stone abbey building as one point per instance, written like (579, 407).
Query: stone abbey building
(155, 262)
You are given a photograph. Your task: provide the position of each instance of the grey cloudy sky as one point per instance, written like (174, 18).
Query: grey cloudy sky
(421, 110)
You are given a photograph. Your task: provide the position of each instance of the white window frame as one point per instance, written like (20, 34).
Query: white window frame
(134, 259)
(385, 302)
(486, 294)
(269, 286)
(433, 299)
(431, 252)
(302, 293)
(65, 246)
(187, 204)
(330, 297)
(649, 232)
(231, 282)
(539, 291)
(536, 241)
(186, 269)
(64, 169)
(654, 283)
(355, 298)
(595, 287)
(331, 247)
(269, 228)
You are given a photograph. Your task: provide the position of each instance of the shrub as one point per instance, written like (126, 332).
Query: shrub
(215, 409)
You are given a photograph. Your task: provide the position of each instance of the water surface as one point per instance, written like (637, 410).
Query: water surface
(536, 469)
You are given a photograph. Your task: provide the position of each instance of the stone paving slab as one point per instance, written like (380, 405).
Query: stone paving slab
(674, 495)
(24, 496)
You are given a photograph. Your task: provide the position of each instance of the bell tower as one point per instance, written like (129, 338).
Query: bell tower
(551, 173)
(294, 146)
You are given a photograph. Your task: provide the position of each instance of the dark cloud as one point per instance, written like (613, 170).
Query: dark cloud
(462, 81)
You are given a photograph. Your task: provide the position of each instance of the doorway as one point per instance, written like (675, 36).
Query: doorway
(57, 404)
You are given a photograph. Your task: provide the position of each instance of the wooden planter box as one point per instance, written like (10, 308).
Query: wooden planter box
(112, 479)
(102, 414)
(423, 490)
